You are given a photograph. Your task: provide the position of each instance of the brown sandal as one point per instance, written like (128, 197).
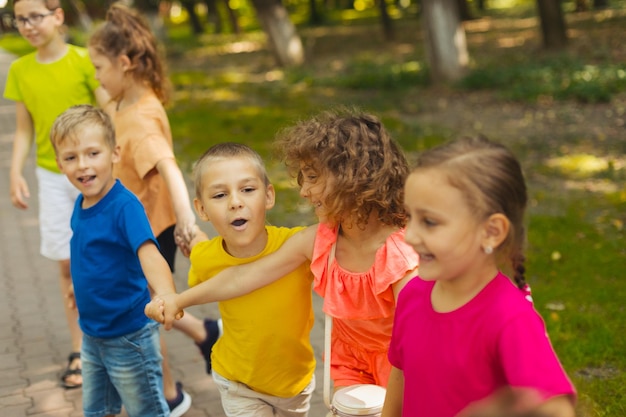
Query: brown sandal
(70, 372)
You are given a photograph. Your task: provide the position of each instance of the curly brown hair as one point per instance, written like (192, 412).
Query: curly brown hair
(126, 32)
(367, 165)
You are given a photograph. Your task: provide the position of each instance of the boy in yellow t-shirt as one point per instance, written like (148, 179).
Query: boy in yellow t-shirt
(43, 84)
(263, 364)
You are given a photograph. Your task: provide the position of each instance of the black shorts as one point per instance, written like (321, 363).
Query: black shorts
(167, 246)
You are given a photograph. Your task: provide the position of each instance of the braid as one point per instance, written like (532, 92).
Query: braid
(518, 261)
(518, 270)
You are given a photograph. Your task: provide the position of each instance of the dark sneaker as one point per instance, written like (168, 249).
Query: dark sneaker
(179, 405)
(212, 334)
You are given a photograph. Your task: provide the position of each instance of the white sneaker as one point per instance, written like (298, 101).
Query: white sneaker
(181, 404)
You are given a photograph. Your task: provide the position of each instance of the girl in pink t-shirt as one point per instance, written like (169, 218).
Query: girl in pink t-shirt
(463, 332)
(352, 172)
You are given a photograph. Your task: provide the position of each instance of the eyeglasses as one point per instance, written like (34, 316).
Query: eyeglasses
(33, 19)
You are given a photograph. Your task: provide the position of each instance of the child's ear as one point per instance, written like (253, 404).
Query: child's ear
(270, 197)
(197, 204)
(125, 62)
(496, 229)
(59, 15)
(115, 154)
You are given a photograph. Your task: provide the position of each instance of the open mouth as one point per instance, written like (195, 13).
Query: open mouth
(426, 257)
(87, 179)
(239, 222)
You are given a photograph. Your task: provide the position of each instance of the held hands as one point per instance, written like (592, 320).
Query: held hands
(184, 233)
(163, 309)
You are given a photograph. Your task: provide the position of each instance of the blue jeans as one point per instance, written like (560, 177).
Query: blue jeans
(124, 370)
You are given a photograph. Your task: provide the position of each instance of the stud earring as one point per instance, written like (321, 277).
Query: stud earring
(488, 250)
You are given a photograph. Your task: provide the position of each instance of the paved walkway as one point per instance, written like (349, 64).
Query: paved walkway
(34, 340)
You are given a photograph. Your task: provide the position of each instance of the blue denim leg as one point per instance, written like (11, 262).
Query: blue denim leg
(132, 368)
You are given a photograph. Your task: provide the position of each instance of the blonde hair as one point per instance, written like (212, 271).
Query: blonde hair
(227, 150)
(70, 124)
(491, 180)
(367, 165)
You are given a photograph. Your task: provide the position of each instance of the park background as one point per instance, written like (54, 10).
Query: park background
(560, 107)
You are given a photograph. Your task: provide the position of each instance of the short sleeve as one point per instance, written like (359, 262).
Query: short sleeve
(11, 88)
(133, 222)
(528, 358)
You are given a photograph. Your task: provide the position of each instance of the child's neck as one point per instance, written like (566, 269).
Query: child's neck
(132, 94)
(248, 250)
(357, 246)
(449, 295)
(52, 51)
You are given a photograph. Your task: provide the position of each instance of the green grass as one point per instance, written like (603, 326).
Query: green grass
(575, 267)
(561, 78)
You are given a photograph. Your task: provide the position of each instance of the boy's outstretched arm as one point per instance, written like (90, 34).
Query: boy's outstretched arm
(243, 279)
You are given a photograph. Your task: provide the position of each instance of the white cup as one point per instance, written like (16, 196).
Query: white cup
(365, 400)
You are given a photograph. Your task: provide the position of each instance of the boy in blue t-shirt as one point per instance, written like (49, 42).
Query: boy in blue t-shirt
(114, 258)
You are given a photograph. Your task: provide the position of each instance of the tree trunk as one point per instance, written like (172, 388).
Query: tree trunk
(282, 35)
(315, 18)
(445, 40)
(552, 24)
(213, 15)
(464, 11)
(232, 16)
(194, 20)
(385, 19)
(600, 4)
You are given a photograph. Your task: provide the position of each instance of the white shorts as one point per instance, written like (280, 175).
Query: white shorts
(57, 196)
(239, 400)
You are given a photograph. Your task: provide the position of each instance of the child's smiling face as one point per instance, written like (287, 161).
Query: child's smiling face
(36, 23)
(87, 161)
(441, 227)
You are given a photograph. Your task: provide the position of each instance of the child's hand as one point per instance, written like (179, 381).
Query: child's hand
(163, 309)
(155, 310)
(184, 232)
(19, 192)
(508, 402)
